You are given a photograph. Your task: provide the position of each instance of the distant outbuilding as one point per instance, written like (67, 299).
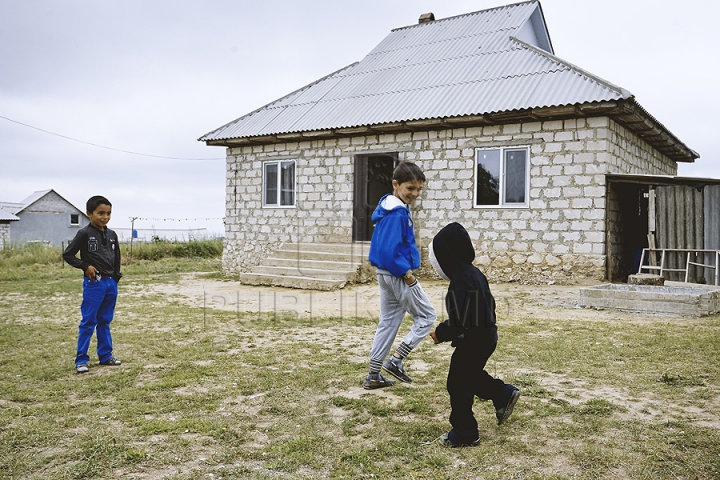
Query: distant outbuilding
(45, 216)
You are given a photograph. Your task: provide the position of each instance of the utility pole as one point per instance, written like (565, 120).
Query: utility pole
(132, 233)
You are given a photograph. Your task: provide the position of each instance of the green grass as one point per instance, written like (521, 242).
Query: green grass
(158, 249)
(235, 396)
(25, 262)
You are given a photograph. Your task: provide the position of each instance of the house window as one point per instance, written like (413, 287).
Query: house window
(502, 177)
(279, 184)
(74, 219)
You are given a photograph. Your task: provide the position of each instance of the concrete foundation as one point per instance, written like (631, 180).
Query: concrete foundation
(646, 279)
(674, 298)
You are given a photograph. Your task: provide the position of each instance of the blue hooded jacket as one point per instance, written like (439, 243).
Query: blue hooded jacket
(392, 247)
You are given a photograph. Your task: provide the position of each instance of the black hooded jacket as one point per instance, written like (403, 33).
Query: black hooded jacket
(470, 305)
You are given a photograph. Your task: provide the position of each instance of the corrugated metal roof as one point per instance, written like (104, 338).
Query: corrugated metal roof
(465, 65)
(6, 216)
(17, 207)
(12, 207)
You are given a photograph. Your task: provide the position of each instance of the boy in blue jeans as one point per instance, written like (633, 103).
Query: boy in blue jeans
(394, 253)
(471, 328)
(100, 261)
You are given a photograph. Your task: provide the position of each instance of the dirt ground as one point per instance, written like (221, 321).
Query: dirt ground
(514, 301)
(360, 300)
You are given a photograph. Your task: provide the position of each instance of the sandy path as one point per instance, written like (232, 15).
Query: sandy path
(352, 301)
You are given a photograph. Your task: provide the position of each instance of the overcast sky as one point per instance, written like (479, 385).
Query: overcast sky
(152, 76)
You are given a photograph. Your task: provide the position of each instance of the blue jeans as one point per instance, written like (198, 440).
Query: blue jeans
(97, 309)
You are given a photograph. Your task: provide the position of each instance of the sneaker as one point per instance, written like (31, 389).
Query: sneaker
(81, 368)
(371, 383)
(112, 361)
(445, 440)
(503, 414)
(396, 371)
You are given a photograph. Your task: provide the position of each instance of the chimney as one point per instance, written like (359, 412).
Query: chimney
(427, 17)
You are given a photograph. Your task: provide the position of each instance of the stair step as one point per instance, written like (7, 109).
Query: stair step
(303, 263)
(312, 283)
(294, 270)
(357, 248)
(319, 266)
(318, 255)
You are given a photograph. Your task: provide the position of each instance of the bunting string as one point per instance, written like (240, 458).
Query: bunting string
(175, 219)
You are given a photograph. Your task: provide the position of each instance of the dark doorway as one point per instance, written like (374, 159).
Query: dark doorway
(629, 229)
(373, 179)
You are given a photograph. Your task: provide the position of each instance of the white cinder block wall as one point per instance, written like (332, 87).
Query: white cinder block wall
(4, 234)
(560, 237)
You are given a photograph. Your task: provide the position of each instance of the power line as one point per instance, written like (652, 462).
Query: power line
(103, 146)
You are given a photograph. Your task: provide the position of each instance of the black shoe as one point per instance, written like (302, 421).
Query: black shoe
(503, 414)
(112, 361)
(445, 440)
(396, 371)
(372, 383)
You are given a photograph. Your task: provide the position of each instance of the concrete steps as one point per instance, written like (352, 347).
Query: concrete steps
(313, 266)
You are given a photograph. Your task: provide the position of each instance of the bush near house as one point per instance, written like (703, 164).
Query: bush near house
(160, 248)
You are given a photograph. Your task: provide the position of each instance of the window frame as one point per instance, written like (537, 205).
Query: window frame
(74, 224)
(502, 177)
(279, 164)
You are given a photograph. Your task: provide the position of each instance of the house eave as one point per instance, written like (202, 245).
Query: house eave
(624, 111)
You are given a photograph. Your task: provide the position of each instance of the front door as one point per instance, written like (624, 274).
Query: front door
(373, 180)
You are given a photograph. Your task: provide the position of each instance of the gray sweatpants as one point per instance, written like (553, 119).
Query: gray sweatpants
(397, 298)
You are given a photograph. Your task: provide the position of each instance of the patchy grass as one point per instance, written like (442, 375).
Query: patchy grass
(241, 395)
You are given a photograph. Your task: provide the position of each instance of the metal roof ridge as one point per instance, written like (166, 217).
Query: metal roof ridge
(482, 33)
(626, 95)
(512, 5)
(445, 39)
(621, 91)
(35, 196)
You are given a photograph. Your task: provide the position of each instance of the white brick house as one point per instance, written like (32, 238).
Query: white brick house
(516, 145)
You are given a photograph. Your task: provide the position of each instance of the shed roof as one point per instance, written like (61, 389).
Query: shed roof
(15, 208)
(11, 207)
(485, 67)
(6, 216)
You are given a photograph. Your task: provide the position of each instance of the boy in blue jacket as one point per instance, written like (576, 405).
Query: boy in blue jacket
(394, 253)
(471, 328)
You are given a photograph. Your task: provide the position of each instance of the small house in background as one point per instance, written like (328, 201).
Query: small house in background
(6, 218)
(549, 167)
(45, 216)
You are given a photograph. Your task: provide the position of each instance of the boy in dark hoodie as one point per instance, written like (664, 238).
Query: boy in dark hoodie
(471, 328)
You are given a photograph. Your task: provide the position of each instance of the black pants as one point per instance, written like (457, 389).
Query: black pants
(467, 379)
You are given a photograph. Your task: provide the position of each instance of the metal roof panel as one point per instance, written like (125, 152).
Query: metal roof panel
(464, 65)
